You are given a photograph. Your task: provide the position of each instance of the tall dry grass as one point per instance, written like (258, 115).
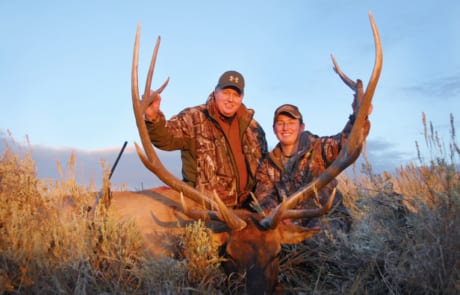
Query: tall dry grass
(404, 239)
(49, 244)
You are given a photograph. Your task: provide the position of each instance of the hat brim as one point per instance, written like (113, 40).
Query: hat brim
(224, 86)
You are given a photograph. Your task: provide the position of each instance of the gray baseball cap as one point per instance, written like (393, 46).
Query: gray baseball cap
(231, 79)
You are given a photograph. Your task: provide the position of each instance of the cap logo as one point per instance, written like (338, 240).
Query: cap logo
(234, 79)
(231, 79)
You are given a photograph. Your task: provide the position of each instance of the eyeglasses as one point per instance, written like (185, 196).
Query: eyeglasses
(288, 124)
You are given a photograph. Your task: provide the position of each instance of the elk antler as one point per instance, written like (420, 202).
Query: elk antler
(152, 161)
(349, 152)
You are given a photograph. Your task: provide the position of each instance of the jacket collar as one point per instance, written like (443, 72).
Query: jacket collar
(304, 146)
(243, 115)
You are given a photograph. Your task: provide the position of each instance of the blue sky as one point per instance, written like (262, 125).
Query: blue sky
(65, 69)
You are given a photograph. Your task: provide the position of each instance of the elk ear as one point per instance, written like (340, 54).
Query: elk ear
(293, 234)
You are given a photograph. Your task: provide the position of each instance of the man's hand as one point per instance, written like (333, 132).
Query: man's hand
(151, 112)
(358, 86)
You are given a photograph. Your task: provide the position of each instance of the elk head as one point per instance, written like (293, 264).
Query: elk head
(251, 242)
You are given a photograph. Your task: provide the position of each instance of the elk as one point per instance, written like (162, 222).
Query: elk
(251, 242)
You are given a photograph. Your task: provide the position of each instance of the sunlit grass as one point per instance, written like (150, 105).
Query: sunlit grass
(50, 244)
(404, 239)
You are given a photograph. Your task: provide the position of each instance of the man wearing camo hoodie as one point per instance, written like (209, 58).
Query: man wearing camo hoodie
(221, 144)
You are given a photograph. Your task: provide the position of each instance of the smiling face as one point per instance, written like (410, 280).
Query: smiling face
(288, 129)
(228, 101)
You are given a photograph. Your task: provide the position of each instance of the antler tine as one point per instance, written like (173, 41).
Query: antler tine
(152, 162)
(153, 60)
(350, 151)
(197, 214)
(223, 214)
(147, 98)
(310, 213)
(226, 215)
(349, 82)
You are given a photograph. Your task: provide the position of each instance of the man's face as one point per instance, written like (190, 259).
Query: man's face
(228, 101)
(287, 129)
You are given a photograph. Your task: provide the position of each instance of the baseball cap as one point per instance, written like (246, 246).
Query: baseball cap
(231, 79)
(288, 109)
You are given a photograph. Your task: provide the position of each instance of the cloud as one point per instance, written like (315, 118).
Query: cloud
(90, 165)
(442, 88)
(131, 174)
(384, 156)
(131, 171)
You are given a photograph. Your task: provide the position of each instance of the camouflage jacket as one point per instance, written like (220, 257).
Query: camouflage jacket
(275, 180)
(207, 161)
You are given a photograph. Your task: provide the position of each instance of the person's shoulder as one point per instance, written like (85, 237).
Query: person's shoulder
(307, 140)
(256, 127)
(308, 136)
(249, 111)
(193, 110)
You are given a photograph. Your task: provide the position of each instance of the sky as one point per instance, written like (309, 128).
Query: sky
(65, 71)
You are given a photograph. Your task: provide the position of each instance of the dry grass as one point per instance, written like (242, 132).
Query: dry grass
(405, 238)
(49, 245)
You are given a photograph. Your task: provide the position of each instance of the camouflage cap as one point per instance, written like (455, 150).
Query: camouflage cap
(290, 110)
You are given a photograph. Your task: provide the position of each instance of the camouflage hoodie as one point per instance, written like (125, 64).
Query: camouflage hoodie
(275, 180)
(207, 161)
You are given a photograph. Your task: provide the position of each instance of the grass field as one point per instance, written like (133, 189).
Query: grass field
(405, 238)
